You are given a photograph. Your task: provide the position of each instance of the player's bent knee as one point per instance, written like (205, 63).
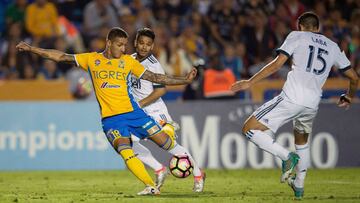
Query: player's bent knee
(163, 140)
(247, 126)
(252, 124)
(120, 144)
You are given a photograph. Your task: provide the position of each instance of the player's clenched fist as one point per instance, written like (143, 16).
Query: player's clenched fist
(240, 85)
(191, 75)
(23, 46)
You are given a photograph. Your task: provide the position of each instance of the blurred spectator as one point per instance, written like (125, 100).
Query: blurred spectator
(320, 10)
(71, 34)
(217, 81)
(199, 26)
(193, 44)
(97, 14)
(3, 6)
(161, 45)
(229, 60)
(72, 10)
(203, 6)
(281, 30)
(354, 46)
(42, 21)
(250, 6)
(136, 7)
(294, 9)
(29, 72)
(240, 51)
(160, 11)
(3, 71)
(145, 19)
(223, 21)
(97, 44)
(127, 22)
(15, 12)
(280, 15)
(258, 37)
(49, 70)
(14, 34)
(13, 61)
(174, 25)
(337, 24)
(174, 59)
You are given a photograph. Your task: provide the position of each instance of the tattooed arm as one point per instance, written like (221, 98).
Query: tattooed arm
(169, 80)
(51, 54)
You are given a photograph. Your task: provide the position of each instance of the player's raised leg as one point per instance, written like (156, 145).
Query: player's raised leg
(123, 147)
(261, 136)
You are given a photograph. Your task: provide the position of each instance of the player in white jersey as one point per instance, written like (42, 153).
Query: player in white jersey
(313, 56)
(148, 95)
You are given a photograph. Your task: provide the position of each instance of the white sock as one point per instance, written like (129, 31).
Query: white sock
(304, 153)
(145, 156)
(267, 143)
(178, 149)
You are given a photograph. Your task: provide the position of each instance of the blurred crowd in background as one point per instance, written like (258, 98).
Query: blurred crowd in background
(239, 36)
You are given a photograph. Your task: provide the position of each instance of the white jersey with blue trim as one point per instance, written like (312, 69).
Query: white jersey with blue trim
(143, 88)
(313, 56)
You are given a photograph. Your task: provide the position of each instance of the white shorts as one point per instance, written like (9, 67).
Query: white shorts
(159, 114)
(278, 111)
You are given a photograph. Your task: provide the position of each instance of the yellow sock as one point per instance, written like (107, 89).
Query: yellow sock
(136, 167)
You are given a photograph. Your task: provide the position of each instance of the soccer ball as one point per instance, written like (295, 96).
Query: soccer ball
(83, 88)
(181, 166)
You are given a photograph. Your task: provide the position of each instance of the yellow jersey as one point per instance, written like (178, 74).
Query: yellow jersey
(111, 81)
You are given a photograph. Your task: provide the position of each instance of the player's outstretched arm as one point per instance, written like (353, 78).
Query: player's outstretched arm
(267, 70)
(169, 80)
(51, 54)
(345, 100)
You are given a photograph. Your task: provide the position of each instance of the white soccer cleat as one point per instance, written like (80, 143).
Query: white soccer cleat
(160, 177)
(199, 182)
(149, 190)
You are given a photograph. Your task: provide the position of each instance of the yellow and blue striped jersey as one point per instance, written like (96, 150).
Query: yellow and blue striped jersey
(111, 80)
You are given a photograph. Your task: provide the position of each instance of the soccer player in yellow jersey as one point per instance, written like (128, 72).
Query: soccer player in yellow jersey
(110, 72)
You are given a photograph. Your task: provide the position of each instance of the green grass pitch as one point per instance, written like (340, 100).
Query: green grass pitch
(336, 185)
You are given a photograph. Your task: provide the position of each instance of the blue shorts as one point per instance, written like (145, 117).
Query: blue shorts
(136, 122)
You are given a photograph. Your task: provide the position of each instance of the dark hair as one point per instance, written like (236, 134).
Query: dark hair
(309, 20)
(145, 32)
(116, 32)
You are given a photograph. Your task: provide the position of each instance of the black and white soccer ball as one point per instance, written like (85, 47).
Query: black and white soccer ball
(181, 166)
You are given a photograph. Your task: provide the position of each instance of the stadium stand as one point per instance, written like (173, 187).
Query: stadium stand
(186, 31)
